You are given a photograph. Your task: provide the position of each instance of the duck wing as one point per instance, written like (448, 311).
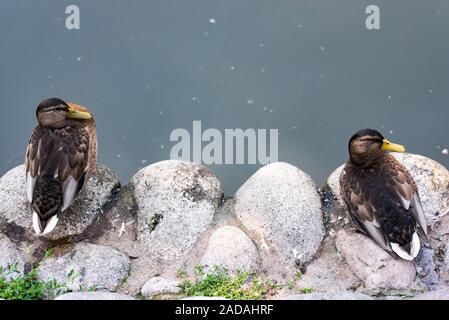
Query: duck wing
(400, 181)
(355, 192)
(61, 156)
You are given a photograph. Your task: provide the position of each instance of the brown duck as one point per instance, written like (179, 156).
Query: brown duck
(59, 160)
(381, 196)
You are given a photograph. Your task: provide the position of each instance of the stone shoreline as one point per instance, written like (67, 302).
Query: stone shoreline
(130, 242)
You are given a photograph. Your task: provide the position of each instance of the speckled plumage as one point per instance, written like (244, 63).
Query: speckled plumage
(59, 161)
(382, 198)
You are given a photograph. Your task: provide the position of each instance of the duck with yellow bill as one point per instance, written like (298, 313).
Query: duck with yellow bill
(381, 195)
(60, 158)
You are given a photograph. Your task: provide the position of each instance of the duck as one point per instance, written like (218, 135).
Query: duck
(381, 196)
(60, 158)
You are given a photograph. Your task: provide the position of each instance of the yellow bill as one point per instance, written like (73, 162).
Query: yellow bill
(390, 146)
(76, 114)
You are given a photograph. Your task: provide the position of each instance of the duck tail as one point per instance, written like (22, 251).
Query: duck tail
(47, 204)
(410, 251)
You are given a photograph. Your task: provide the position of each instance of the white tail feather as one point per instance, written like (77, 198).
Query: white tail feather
(36, 223)
(51, 224)
(414, 248)
(416, 245)
(401, 252)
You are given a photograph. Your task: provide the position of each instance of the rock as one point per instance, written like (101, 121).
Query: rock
(230, 248)
(15, 211)
(157, 286)
(343, 295)
(281, 210)
(439, 294)
(439, 240)
(329, 272)
(84, 266)
(373, 265)
(333, 182)
(10, 255)
(176, 203)
(94, 296)
(431, 178)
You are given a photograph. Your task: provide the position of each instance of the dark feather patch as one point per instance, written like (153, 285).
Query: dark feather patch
(53, 157)
(379, 197)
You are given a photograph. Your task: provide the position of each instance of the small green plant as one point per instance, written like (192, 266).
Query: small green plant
(199, 270)
(242, 286)
(92, 288)
(27, 286)
(72, 276)
(290, 285)
(298, 275)
(306, 290)
(48, 253)
(182, 274)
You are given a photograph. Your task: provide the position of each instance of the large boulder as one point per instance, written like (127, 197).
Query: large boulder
(12, 259)
(85, 266)
(280, 209)
(176, 203)
(374, 266)
(94, 296)
(431, 178)
(230, 248)
(15, 211)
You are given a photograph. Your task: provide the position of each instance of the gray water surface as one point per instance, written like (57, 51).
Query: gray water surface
(308, 68)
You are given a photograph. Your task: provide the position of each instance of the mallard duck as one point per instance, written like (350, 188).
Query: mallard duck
(381, 195)
(59, 160)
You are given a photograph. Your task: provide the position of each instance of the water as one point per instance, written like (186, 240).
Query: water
(309, 68)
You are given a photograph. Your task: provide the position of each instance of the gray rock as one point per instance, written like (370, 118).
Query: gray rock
(333, 181)
(94, 296)
(329, 272)
(176, 203)
(15, 211)
(439, 294)
(230, 248)
(431, 178)
(439, 240)
(84, 266)
(343, 295)
(281, 210)
(373, 265)
(11, 255)
(157, 286)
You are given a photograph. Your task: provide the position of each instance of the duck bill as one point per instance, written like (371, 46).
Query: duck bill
(79, 115)
(393, 147)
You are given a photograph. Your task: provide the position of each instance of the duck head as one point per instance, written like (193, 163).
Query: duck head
(55, 113)
(368, 145)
